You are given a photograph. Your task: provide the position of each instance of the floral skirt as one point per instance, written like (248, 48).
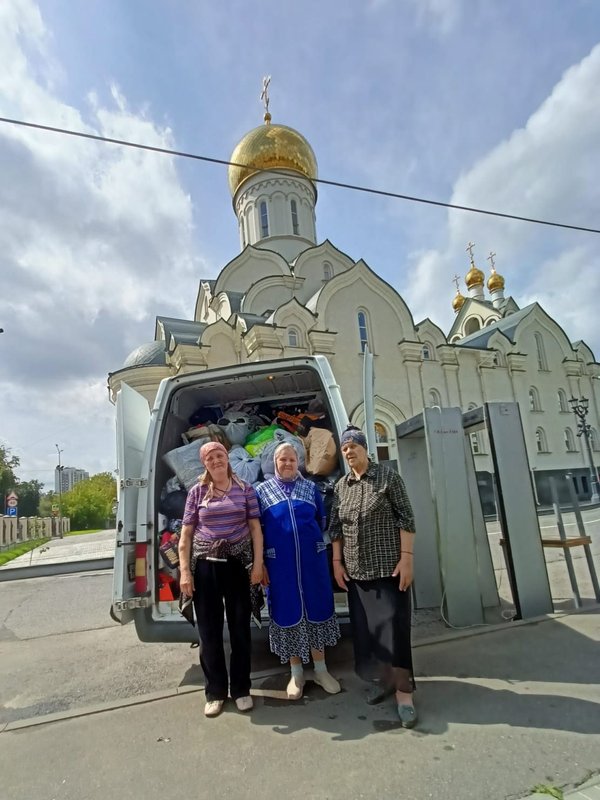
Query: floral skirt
(301, 638)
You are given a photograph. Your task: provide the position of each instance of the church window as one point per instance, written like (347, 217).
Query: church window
(472, 326)
(434, 398)
(327, 272)
(382, 442)
(363, 331)
(562, 401)
(569, 441)
(541, 442)
(293, 337)
(541, 352)
(264, 220)
(426, 352)
(534, 399)
(294, 210)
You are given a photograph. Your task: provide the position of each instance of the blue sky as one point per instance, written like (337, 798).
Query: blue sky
(487, 103)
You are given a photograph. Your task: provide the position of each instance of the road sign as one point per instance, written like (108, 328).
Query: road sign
(11, 511)
(12, 501)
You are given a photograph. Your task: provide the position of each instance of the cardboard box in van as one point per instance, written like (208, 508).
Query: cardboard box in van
(143, 439)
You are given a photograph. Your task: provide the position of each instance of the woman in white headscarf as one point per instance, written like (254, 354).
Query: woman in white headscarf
(300, 595)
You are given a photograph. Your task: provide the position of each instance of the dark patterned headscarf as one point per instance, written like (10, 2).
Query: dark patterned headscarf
(352, 434)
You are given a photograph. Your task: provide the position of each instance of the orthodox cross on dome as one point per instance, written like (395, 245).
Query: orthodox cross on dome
(490, 258)
(455, 281)
(469, 250)
(264, 96)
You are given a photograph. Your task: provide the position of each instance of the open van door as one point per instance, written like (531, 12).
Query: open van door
(133, 421)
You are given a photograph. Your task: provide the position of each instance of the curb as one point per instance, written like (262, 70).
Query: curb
(50, 570)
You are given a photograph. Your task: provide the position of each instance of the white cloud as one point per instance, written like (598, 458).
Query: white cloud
(546, 170)
(95, 240)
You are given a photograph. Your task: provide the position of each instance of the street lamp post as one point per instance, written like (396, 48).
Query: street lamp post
(580, 407)
(60, 472)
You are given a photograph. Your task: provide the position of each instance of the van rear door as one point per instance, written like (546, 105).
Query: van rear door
(133, 420)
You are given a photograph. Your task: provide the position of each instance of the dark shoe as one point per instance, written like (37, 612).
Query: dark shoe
(378, 693)
(408, 716)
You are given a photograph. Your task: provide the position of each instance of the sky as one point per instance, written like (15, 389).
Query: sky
(472, 102)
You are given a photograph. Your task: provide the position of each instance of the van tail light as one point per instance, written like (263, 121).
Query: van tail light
(141, 582)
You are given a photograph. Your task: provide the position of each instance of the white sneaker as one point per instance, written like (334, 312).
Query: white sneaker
(244, 703)
(295, 688)
(327, 682)
(213, 708)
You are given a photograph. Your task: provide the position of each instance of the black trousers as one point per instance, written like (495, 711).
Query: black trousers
(215, 583)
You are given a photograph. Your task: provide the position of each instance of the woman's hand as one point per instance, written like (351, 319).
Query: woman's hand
(186, 582)
(404, 569)
(340, 575)
(256, 576)
(265, 578)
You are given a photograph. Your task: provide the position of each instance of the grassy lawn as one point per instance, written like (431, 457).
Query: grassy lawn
(79, 533)
(20, 549)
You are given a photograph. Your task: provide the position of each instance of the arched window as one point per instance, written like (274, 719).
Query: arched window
(472, 325)
(534, 399)
(490, 321)
(382, 442)
(434, 398)
(569, 441)
(541, 352)
(563, 406)
(294, 210)
(243, 229)
(327, 272)
(264, 220)
(363, 331)
(455, 339)
(541, 442)
(293, 336)
(426, 352)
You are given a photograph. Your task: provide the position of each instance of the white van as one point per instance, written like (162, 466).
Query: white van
(143, 437)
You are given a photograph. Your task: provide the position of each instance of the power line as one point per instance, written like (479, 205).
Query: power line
(324, 181)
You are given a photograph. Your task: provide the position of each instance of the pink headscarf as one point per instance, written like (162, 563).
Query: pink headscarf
(208, 447)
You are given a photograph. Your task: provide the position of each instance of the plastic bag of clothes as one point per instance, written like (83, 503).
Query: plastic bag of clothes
(186, 464)
(256, 442)
(236, 426)
(172, 505)
(207, 433)
(266, 457)
(244, 465)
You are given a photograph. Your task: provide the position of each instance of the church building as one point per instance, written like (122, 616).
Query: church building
(286, 294)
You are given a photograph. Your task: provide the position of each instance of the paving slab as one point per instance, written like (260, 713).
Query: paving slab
(501, 712)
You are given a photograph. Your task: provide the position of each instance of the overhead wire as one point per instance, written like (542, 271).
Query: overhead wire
(337, 184)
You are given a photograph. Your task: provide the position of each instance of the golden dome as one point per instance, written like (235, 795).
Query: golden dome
(474, 277)
(458, 301)
(495, 281)
(271, 147)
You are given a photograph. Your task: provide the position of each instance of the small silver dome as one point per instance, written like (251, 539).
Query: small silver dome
(146, 355)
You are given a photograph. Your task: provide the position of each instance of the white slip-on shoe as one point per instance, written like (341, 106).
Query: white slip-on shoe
(213, 708)
(244, 703)
(295, 688)
(327, 682)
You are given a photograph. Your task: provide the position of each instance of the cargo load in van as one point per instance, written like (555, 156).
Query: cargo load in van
(158, 462)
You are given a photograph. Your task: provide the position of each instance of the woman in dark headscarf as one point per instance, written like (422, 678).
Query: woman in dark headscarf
(301, 607)
(372, 530)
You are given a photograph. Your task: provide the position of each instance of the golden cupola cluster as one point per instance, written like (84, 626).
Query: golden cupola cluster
(271, 147)
(474, 280)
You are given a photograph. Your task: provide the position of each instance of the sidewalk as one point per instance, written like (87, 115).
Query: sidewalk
(501, 712)
(70, 549)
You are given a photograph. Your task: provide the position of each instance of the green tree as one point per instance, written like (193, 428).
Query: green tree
(47, 500)
(89, 503)
(8, 479)
(29, 497)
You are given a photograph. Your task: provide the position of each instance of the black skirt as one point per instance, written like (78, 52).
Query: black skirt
(380, 619)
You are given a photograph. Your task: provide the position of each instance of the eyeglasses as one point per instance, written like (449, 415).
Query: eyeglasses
(223, 422)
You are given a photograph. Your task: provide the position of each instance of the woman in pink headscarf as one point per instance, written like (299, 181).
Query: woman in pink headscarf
(220, 548)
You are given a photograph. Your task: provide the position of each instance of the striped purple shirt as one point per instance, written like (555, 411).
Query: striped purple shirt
(225, 518)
